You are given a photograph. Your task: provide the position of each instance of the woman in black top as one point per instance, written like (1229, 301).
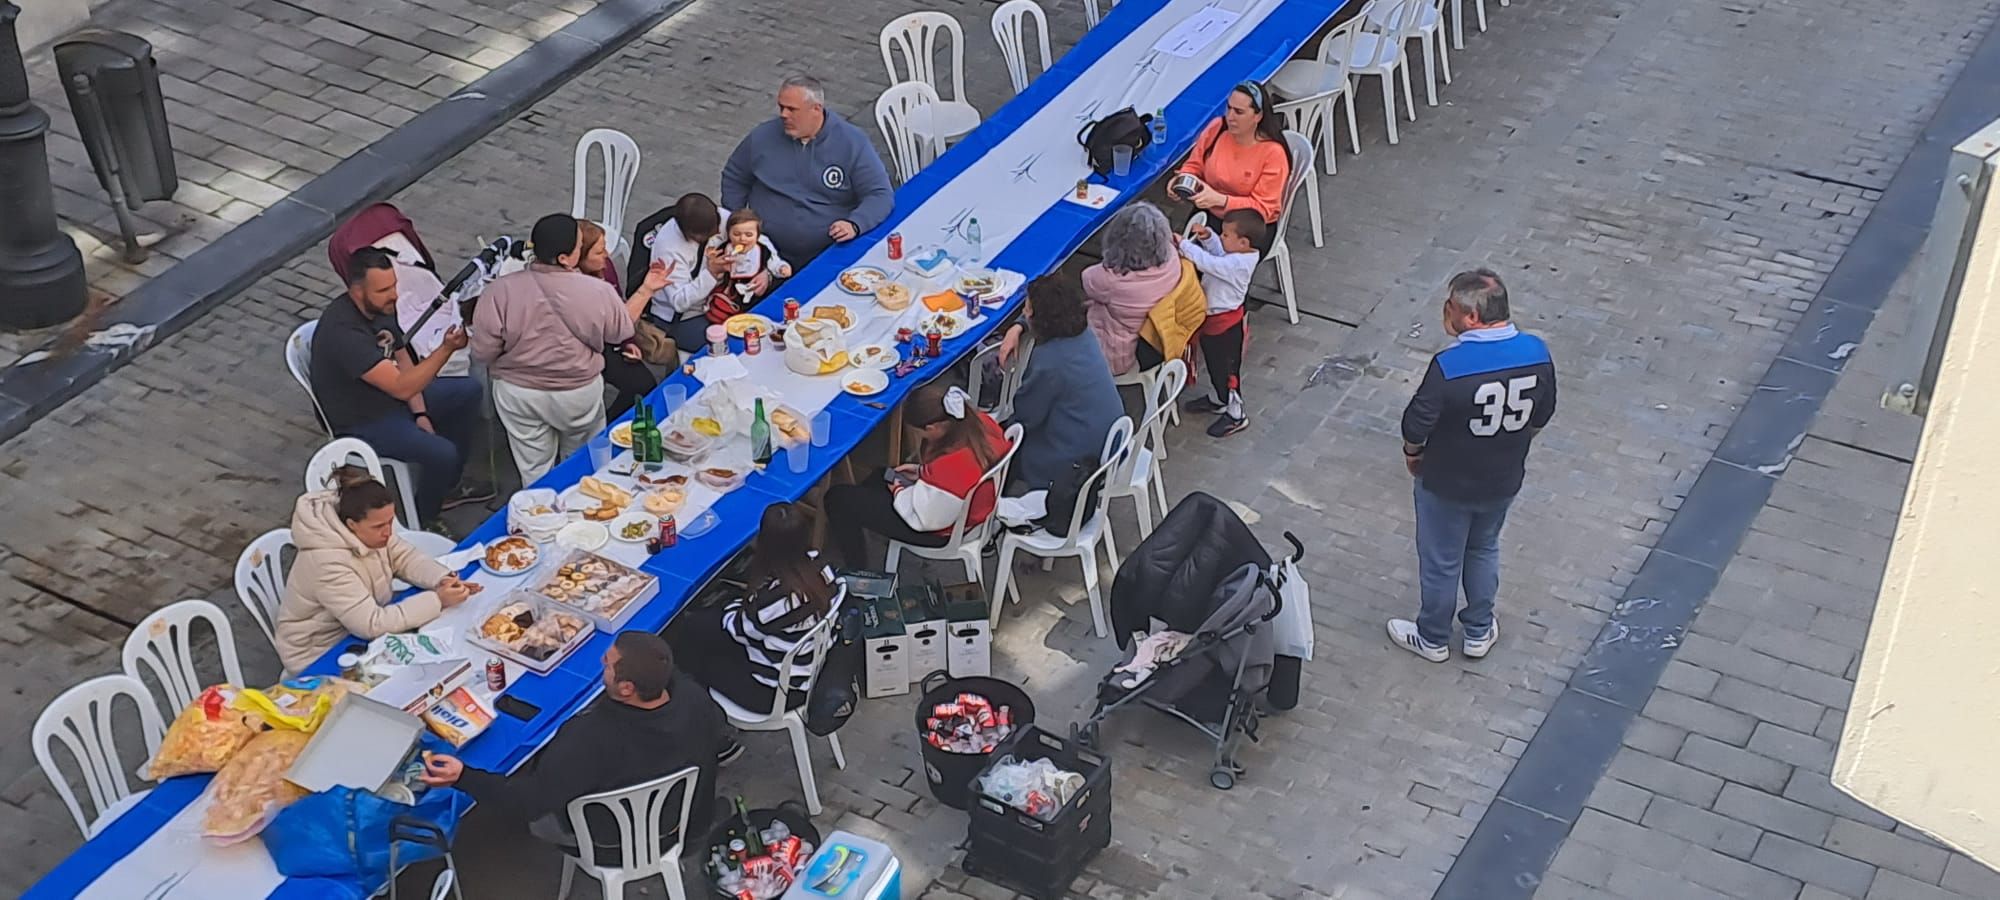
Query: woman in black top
(791, 591)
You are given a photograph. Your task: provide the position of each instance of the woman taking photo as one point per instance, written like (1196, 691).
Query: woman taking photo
(1140, 269)
(918, 504)
(791, 591)
(624, 370)
(1067, 401)
(349, 557)
(1240, 160)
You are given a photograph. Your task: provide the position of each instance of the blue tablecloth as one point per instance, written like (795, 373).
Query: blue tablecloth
(681, 570)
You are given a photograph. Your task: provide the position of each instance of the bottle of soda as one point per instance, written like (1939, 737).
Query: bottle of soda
(760, 435)
(753, 840)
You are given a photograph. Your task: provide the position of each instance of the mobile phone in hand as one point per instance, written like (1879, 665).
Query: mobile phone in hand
(899, 479)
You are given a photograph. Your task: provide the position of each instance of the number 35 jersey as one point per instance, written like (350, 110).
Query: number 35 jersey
(1477, 410)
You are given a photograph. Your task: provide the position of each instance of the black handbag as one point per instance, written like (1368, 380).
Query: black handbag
(1124, 128)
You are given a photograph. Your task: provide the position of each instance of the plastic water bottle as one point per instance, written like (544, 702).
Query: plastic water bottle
(973, 253)
(1160, 126)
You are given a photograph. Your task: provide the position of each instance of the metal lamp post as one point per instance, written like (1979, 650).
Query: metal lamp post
(41, 272)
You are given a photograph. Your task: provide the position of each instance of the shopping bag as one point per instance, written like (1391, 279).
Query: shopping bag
(1293, 629)
(343, 835)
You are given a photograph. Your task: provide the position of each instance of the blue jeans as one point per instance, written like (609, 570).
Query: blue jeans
(437, 460)
(1457, 542)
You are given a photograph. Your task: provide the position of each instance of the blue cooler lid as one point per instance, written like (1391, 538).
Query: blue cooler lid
(847, 866)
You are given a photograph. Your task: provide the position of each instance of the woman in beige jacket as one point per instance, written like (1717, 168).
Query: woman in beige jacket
(349, 554)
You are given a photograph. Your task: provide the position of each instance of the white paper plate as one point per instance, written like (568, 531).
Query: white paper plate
(875, 380)
(886, 356)
(651, 527)
(582, 536)
(863, 274)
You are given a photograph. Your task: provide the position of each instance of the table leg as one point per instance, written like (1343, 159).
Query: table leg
(896, 436)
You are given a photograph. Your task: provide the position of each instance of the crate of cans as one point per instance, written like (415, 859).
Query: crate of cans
(1041, 809)
(960, 722)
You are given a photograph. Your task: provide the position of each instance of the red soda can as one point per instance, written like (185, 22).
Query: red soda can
(753, 342)
(496, 675)
(1004, 717)
(669, 535)
(933, 342)
(904, 334)
(791, 310)
(895, 245)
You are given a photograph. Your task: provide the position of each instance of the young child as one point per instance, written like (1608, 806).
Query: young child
(749, 252)
(1225, 262)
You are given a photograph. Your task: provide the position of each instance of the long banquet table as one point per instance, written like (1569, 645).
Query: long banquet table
(1013, 173)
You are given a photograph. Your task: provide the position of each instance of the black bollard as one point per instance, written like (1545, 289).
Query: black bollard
(41, 272)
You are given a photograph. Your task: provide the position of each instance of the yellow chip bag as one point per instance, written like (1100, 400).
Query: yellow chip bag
(204, 736)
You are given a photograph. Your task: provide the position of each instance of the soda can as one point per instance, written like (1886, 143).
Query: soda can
(895, 245)
(669, 534)
(791, 310)
(905, 334)
(1083, 189)
(496, 675)
(933, 342)
(753, 342)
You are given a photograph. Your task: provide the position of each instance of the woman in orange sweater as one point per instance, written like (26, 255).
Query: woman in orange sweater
(1239, 160)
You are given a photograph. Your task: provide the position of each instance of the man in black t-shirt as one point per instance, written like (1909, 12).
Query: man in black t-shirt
(369, 386)
(1466, 434)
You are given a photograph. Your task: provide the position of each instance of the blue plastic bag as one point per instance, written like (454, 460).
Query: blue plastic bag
(343, 834)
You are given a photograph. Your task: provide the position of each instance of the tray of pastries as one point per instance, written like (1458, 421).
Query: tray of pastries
(607, 593)
(532, 631)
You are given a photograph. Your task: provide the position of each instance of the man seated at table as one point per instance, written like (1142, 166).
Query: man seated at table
(650, 723)
(369, 386)
(815, 178)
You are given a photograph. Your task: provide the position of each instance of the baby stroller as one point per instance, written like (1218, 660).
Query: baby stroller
(1206, 577)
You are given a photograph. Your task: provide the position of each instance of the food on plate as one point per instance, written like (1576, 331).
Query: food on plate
(738, 324)
(655, 479)
(834, 313)
(594, 584)
(251, 788)
(944, 301)
(511, 555)
(635, 530)
(598, 489)
(666, 501)
(861, 279)
(458, 717)
(507, 626)
(790, 426)
(874, 356)
(204, 736)
(705, 426)
(720, 477)
(977, 284)
(534, 632)
(860, 387)
(621, 435)
(893, 296)
(541, 509)
(603, 512)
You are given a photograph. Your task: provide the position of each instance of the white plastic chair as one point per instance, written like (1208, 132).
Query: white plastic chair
(1085, 533)
(347, 450)
(446, 881)
(621, 169)
(1090, 14)
(641, 812)
(1303, 173)
(164, 643)
(778, 718)
(1315, 85)
(298, 357)
(1013, 46)
(1458, 20)
(1427, 27)
(1010, 375)
(81, 720)
(1138, 474)
(1300, 119)
(965, 543)
(260, 579)
(1382, 56)
(915, 37)
(896, 112)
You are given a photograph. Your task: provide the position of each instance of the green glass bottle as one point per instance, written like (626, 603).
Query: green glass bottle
(760, 435)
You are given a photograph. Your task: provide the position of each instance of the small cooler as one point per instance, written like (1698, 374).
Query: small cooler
(850, 867)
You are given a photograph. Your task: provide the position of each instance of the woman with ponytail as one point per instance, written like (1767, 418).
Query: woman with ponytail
(919, 503)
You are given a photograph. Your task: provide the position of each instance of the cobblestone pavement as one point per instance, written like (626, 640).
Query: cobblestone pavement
(1663, 187)
(263, 95)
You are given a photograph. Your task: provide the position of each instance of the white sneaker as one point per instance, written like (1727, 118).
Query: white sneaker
(1403, 633)
(1477, 648)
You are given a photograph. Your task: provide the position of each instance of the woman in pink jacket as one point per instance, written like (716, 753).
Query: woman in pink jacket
(1140, 267)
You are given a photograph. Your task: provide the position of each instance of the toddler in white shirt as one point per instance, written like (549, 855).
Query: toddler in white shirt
(1225, 261)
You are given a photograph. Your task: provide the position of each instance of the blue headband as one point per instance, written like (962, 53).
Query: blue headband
(1256, 93)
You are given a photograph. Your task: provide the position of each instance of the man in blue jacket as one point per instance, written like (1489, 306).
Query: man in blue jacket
(814, 179)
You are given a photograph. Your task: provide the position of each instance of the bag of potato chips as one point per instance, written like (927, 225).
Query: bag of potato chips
(204, 736)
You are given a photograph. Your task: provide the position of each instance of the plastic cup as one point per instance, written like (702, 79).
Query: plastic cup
(822, 423)
(601, 451)
(1121, 160)
(798, 459)
(673, 397)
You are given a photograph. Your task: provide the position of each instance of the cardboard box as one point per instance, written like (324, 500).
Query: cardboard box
(923, 619)
(886, 643)
(968, 631)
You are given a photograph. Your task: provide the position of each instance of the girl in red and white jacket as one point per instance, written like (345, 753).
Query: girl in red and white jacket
(919, 503)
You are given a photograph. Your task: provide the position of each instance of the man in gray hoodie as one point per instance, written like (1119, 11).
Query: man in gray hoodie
(815, 179)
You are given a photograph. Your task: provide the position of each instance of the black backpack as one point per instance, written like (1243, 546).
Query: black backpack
(838, 689)
(1124, 128)
(1066, 493)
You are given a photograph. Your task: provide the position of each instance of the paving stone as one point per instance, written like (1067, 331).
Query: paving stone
(1964, 875)
(1792, 747)
(1701, 827)
(1734, 764)
(1736, 877)
(1850, 877)
(1672, 779)
(1767, 705)
(1922, 861)
(1619, 799)
(1774, 813)
(1700, 716)
(1897, 886)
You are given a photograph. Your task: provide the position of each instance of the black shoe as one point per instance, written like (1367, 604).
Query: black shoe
(1202, 406)
(1224, 426)
(469, 492)
(729, 753)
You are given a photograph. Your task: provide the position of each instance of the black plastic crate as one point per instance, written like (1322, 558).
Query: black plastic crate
(1002, 833)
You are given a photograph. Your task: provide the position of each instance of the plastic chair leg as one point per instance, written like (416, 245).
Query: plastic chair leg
(1430, 70)
(614, 885)
(969, 554)
(1458, 24)
(1142, 501)
(676, 889)
(1444, 58)
(1353, 130)
(839, 758)
(1003, 581)
(1089, 559)
(1160, 490)
(796, 727)
(1410, 96)
(1312, 209)
(568, 877)
(895, 556)
(1389, 104)
(1281, 256)
(1110, 544)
